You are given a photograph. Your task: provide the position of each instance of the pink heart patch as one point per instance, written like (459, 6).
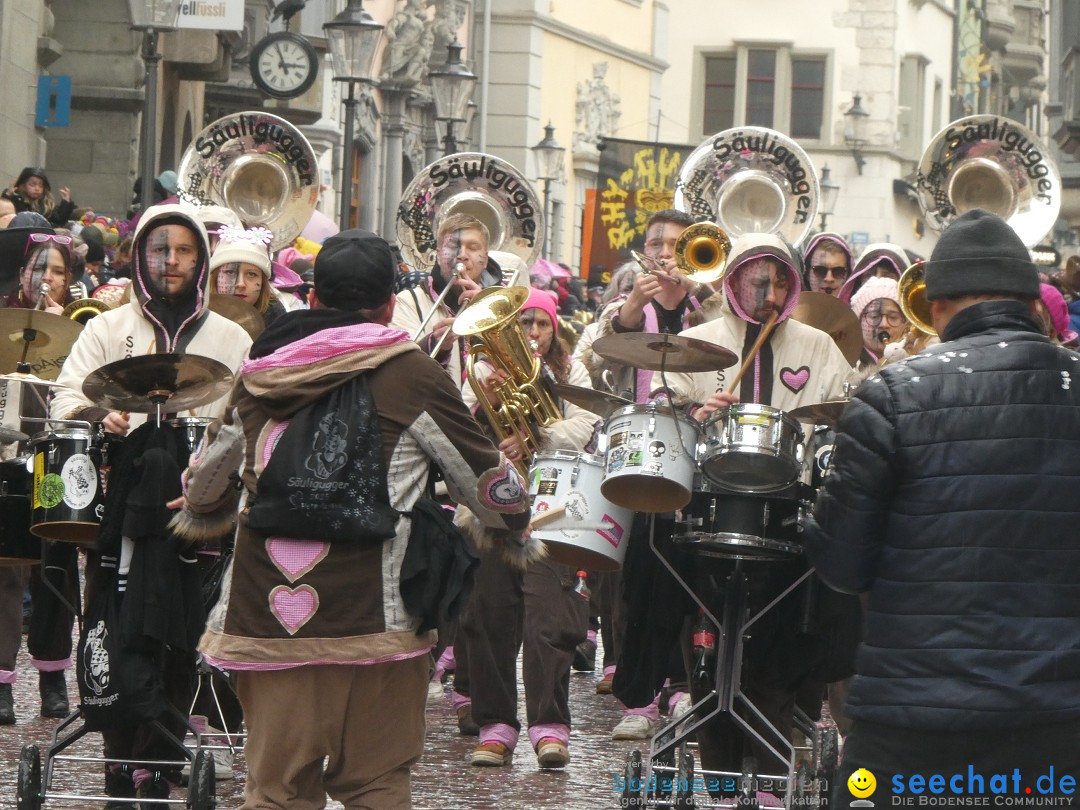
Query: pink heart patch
(294, 558)
(794, 379)
(294, 608)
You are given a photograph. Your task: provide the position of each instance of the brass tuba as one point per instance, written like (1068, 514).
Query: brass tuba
(82, 310)
(750, 180)
(523, 402)
(258, 165)
(982, 161)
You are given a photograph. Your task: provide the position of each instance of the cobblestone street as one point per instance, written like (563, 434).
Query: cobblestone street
(443, 779)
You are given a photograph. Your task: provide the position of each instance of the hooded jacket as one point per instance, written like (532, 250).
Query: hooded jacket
(814, 243)
(797, 365)
(139, 327)
(289, 602)
(871, 256)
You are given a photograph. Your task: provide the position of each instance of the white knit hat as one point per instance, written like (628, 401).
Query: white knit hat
(873, 289)
(246, 246)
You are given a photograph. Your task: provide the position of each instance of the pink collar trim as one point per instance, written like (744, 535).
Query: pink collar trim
(326, 345)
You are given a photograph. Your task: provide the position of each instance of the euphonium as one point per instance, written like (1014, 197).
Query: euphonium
(84, 309)
(912, 291)
(522, 403)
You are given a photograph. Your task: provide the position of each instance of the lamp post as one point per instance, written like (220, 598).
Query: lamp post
(353, 36)
(855, 130)
(150, 17)
(830, 191)
(451, 89)
(549, 165)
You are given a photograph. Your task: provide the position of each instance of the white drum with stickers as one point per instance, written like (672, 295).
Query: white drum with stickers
(650, 461)
(581, 527)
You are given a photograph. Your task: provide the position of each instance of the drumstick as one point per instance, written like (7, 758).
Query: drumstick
(548, 516)
(761, 338)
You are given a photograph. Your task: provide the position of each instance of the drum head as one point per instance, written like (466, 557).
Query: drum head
(644, 493)
(748, 470)
(81, 533)
(577, 556)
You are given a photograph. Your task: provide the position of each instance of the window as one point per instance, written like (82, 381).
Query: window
(764, 87)
(912, 98)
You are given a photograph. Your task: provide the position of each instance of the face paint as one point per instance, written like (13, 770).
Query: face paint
(171, 255)
(760, 287)
(33, 274)
(881, 316)
(225, 282)
(465, 245)
(828, 270)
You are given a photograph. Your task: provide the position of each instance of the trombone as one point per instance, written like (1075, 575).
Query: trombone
(459, 268)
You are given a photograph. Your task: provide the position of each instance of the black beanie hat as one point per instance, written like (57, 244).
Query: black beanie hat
(979, 254)
(354, 270)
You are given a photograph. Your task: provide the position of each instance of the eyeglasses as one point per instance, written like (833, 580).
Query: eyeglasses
(42, 238)
(892, 318)
(822, 270)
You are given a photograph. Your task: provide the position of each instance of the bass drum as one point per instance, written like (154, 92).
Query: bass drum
(68, 501)
(17, 545)
(591, 532)
(738, 526)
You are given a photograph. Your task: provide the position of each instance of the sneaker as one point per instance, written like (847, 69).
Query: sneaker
(7, 705)
(550, 753)
(491, 755)
(223, 760)
(603, 686)
(585, 657)
(54, 696)
(435, 692)
(635, 727)
(682, 706)
(467, 727)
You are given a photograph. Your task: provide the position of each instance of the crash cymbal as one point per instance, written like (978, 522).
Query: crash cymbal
(175, 381)
(821, 413)
(598, 402)
(239, 312)
(669, 352)
(40, 338)
(823, 311)
(8, 435)
(29, 379)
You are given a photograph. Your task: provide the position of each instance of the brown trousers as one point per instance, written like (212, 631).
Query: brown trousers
(369, 721)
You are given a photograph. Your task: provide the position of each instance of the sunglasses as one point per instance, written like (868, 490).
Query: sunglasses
(822, 270)
(42, 238)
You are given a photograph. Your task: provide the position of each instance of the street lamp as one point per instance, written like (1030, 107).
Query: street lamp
(830, 191)
(150, 17)
(451, 89)
(549, 166)
(353, 36)
(855, 130)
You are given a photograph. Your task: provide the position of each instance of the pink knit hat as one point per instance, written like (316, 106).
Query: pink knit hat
(872, 290)
(545, 300)
(1059, 311)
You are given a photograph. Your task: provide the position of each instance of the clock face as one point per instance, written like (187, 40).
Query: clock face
(283, 65)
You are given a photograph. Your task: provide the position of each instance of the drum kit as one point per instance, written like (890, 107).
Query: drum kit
(57, 492)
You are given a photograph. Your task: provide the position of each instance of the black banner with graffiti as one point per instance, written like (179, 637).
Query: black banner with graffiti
(635, 180)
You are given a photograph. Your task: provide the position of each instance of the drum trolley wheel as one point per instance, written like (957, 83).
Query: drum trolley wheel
(35, 777)
(666, 777)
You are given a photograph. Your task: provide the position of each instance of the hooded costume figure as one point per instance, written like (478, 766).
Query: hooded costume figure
(152, 323)
(893, 257)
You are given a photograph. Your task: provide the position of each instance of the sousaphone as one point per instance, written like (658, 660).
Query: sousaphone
(258, 165)
(474, 183)
(988, 162)
(750, 180)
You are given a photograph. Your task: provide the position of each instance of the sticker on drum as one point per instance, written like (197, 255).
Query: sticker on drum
(80, 481)
(50, 491)
(577, 507)
(618, 439)
(616, 458)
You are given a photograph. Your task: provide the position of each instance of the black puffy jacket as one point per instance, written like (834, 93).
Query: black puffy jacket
(954, 503)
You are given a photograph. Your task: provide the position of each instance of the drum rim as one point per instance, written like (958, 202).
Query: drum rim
(66, 433)
(738, 539)
(646, 407)
(189, 421)
(570, 455)
(769, 411)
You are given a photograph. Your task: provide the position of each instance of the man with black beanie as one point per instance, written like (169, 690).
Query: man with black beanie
(951, 508)
(337, 420)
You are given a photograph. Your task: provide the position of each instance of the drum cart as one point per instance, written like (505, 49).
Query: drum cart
(667, 777)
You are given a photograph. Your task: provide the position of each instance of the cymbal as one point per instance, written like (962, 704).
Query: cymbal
(29, 379)
(176, 381)
(239, 312)
(9, 435)
(823, 311)
(821, 413)
(601, 403)
(46, 339)
(669, 352)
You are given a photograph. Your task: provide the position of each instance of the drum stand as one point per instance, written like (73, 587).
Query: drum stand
(667, 778)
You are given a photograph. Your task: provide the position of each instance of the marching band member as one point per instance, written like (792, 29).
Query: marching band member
(536, 606)
(878, 260)
(828, 263)
(877, 306)
(240, 267)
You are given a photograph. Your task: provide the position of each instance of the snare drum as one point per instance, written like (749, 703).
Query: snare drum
(592, 532)
(17, 545)
(67, 498)
(650, 464)
(739, 526)
(192, 429)
(752, 448)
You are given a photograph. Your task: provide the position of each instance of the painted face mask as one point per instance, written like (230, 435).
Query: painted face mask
(34, 275)
(759, 287)
(880, 318)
